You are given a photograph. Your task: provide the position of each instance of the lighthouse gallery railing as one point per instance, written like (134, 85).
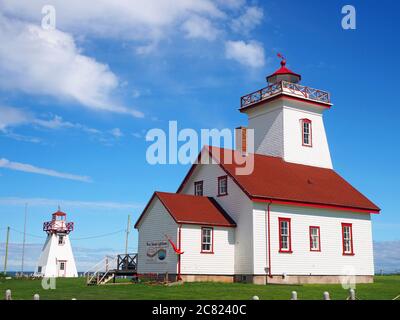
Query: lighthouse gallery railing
(285, 87)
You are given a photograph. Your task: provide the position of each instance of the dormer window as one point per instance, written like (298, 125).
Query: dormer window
(306, 132)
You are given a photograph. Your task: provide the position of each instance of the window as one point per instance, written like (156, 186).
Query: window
(60, 240)
(39, 269)
(285, 241)
(207, 240)
(347, 239)
(315, 240)
(306, 132)
(198, 188)
(62, 266)
(223, 186)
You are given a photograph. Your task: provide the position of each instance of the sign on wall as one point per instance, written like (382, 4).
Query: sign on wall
(156, 251)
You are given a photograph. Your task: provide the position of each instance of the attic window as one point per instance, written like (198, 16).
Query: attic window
(306, 132)
(222, 186)
(198, 188)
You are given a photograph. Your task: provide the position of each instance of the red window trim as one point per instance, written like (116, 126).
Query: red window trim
(319, 239)
(219, 179)
(351, 253)
(212, 241)
(281, 250)
(302, 132)
(199, 183)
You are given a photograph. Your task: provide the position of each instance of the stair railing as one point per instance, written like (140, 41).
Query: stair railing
(94, 271)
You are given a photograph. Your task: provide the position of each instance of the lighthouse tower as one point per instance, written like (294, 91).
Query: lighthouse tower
(287, 119)
(57, 259)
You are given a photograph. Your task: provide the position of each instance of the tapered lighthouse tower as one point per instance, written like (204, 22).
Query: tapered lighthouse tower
(57, 259)
(287, 119)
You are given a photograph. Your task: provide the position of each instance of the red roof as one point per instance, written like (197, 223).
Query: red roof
(284, 70)
(59, 213)
(276, 180)
(190, 209)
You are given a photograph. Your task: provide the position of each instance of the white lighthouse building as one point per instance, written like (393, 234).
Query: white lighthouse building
(292, 219)
(57, 259)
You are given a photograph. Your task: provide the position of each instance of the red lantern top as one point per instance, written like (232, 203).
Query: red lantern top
(58, 223)
(283, 73)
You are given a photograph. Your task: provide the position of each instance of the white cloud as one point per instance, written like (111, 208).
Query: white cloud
(44, 202)
(199, 27)
(12, 117)
(117, 133)
(250, 19)
(129, 19)
(250, 54)
(48, 62)
(7, 164)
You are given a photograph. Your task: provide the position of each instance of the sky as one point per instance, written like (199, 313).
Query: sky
(77, 101)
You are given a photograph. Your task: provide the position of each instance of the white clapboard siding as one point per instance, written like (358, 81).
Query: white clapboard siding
(154, 225)
(330, 261)
(221, 262)
(236, 204)
(267, 123)
(318, 155)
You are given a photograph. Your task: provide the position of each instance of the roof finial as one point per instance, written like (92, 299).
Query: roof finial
(283, 60)
(59, 208)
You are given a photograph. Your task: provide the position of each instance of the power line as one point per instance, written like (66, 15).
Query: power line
(84, 238)
(100, 235)
(28, 234)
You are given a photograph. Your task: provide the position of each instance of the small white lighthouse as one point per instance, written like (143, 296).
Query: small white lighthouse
(57, 259)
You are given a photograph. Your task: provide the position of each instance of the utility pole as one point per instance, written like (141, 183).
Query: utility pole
(6, 256)
(128, 230)
(23, 243)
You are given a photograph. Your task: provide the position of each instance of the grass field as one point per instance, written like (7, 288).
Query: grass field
(384, 287)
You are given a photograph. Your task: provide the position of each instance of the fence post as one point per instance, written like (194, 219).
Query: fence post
(352, 294)
(36, 296)
(326, 296)
(294, 295)
(8, 295)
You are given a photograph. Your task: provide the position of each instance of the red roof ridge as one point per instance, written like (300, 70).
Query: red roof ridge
(198, 210)
(275, 179)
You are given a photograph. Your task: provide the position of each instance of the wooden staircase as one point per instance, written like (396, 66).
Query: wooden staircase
(111, 267)
(101, 278)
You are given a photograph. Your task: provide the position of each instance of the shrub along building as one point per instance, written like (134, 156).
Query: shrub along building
(293, 219)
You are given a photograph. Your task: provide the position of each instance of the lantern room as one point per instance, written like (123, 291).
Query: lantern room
(283, 74)
(58, 224)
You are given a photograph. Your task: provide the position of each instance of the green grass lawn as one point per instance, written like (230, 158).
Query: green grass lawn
(384, 287)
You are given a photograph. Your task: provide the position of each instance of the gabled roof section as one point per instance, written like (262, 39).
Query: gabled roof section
(277, 181)
(190, 209)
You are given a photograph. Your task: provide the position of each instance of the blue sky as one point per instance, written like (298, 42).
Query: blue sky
(76, 102)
